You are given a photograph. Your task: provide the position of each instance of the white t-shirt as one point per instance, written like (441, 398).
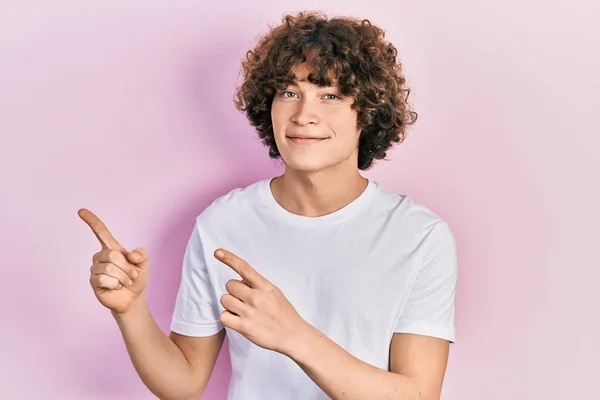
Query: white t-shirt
(380, 265)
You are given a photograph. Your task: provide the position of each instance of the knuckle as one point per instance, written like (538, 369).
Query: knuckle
(115, 256)
(223, 300)
(142, 256)
(99, 256)
(128, 269)
(256, 301)
(244, 325)
(102, 280)
(110, 269)
(107, 282)
(223, 316)
(230, 285)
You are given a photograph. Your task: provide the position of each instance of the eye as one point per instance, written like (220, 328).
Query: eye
(332, 97)
(287, 93)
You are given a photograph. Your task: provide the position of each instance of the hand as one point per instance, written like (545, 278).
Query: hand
(117, 276)
(257, 309)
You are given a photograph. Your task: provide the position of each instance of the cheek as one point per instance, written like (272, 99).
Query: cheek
(277, 117)
(344, 119)
(347, 130)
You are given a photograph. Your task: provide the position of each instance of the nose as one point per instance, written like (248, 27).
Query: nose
(306, 113)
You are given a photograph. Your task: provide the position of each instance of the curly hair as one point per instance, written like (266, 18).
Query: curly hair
(349, 52)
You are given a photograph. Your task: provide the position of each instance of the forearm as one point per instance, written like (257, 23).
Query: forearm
(342, 376)
(161, 365)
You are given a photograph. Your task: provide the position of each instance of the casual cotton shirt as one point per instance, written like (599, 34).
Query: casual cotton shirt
(382, 264)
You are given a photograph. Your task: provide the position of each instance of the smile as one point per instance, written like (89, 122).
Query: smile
(299, 140)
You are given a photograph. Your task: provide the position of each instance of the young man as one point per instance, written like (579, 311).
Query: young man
(326, 284)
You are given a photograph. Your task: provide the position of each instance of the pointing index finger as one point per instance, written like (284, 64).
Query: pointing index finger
(106, 239)
(240, 266)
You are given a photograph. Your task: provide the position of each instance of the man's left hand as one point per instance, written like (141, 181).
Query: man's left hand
(257, 309)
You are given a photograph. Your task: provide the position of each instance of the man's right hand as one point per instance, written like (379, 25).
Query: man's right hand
(117, 276)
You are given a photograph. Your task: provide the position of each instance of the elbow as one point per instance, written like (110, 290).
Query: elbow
(410, 389)
(191, 394)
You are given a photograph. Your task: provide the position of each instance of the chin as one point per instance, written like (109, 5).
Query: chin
(305, 165)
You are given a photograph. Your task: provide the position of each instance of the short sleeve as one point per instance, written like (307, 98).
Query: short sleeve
(196, 310)
(430, 307)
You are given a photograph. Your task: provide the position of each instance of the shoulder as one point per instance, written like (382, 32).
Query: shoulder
(411, 218)
(234, 205)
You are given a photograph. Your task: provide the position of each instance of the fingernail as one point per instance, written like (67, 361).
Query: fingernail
(219, 253)
(134, 274)
(130, 282)
(135, 256)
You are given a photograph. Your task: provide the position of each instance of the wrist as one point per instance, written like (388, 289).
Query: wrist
(300, 345)
(139, 305)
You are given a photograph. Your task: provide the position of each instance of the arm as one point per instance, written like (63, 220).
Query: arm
(419, 348)
(257, 309)
(417, 364)
(174, 366)
(420, 345)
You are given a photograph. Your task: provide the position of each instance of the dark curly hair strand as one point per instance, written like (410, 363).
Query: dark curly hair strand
(350, 52)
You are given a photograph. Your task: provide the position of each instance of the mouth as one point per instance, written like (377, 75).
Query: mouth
(304, 140)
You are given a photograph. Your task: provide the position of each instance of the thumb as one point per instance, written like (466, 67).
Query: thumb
(139, 257)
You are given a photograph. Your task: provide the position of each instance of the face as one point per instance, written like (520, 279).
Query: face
(315, 127)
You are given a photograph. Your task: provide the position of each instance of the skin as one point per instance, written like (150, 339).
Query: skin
(171, 366)
(320, 177)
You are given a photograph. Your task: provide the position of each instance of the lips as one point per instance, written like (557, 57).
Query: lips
(305, 139)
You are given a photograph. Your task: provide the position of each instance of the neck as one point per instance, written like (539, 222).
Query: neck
(313, 194)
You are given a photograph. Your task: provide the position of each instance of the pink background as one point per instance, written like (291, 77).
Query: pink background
(125, 108)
